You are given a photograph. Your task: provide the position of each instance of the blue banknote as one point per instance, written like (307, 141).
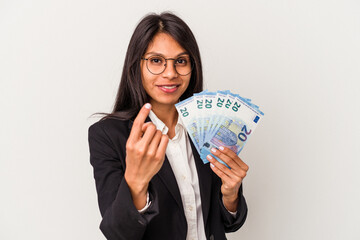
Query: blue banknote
(222, 118)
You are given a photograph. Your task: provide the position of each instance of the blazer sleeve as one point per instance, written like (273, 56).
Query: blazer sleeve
(120, 218)
(232, 224)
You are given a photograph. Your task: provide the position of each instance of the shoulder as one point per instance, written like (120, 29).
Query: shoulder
(111, 127)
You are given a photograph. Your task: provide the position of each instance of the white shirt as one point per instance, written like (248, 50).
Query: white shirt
(182, 162)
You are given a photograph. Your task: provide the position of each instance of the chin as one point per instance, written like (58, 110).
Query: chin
(166, 101)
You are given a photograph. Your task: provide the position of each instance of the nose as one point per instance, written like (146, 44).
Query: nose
(170, 71)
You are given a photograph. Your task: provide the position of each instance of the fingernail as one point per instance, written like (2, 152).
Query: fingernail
(209, 157)
(213, 150)
(212, 165)
(148, 106)
(221, 148)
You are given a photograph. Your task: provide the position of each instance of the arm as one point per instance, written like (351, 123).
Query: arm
(145, 154)
(121, 219)
(122, 191)
(232, 223)
(231, 197)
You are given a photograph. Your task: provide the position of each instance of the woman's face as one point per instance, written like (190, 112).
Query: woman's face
(166, 87)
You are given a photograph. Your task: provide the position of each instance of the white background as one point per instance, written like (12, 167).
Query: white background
(60, 61)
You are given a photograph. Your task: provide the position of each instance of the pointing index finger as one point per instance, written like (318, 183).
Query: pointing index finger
(136, 130)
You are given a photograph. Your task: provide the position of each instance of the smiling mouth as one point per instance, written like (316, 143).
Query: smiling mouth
(168, 88)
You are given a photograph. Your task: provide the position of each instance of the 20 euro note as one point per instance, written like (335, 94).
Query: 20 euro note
(187, 112)
(221, 118)
(239, 119)
(232, 133)
(204, 103)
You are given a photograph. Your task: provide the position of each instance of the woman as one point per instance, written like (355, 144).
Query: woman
(151, 182)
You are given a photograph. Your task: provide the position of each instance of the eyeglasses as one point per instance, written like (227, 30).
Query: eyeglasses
(157, 64)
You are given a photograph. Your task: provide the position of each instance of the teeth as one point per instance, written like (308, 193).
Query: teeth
(169, 87)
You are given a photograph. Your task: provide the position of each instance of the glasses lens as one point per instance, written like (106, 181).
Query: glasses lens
(183, 65)
(156, 64)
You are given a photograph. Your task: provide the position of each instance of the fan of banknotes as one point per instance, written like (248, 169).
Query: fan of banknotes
(221, 118)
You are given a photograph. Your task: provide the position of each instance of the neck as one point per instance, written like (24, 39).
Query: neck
(168, 115)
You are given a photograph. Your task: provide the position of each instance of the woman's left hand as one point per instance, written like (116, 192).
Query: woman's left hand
(231, 178)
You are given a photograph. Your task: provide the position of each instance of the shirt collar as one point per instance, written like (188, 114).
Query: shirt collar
(163, 128)
(158, 123)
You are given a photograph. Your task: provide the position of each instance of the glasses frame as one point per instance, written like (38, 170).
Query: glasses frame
(165, 65)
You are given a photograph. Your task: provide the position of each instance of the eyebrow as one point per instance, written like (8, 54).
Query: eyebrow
(159, 54)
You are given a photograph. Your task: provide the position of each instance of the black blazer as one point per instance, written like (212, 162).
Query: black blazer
(165, 218)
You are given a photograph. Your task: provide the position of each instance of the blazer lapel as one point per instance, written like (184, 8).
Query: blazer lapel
(205, 181)
(168, 178)
(204, 175)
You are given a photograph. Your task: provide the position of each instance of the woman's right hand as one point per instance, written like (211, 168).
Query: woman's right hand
(145, 154)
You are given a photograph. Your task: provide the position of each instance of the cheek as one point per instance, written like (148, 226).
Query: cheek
(145, 83)
(145, 78)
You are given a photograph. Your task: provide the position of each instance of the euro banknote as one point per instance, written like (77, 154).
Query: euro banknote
(222, 118)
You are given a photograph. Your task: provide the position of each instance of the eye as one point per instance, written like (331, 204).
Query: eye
(182, 61)
(156, 60)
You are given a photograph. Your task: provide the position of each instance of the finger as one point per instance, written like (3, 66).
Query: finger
(236, 170)
(154, 144)
(144, 126)
(225, 158)
(235, 157)
(162, 147)
(225, 170)
(218, 168)
(148, 134)
(136, 130)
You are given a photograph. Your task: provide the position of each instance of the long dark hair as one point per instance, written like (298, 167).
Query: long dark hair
(131, 95)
